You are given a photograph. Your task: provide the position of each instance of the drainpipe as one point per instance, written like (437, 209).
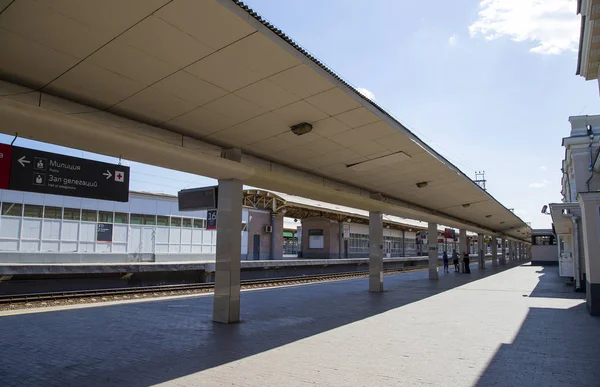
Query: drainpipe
(576, 253)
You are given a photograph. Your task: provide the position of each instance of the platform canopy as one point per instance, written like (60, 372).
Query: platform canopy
(171, 83)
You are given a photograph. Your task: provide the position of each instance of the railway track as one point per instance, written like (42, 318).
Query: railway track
(34, 300)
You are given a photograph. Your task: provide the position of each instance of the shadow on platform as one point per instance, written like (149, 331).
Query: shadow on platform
(144, 343)
(554, 346)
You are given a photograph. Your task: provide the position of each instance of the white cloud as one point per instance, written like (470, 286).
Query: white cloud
(366, 93)
(543, 168)
(552, 25)
(452, 40)
(539, 185)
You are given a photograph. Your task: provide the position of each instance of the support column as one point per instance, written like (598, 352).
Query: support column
(226, 305)
(510, 248)
(481, 250)
(277, 236)
(375, 251)
(494, 251)
(503, 256)
(433, 250)
(463, 244)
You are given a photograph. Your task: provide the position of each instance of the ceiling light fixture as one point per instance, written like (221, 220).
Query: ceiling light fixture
(301, 128)
(422, 184)
(467, 205)
(488, 216)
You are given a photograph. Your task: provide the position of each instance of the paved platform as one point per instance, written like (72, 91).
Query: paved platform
(519, 326)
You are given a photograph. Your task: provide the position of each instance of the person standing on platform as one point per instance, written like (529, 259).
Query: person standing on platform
(455, 260)
(445, 259)
(466, 262)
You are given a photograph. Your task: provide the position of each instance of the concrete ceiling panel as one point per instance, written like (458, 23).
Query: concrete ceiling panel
(302, 81)
(200, 122)
(357, 117)
(299, 112)
(158, 38)
(267, 94)
(333, 101)
(236, 108)
(94, 85)
(207, 21)
(190, 88)
(31, 63)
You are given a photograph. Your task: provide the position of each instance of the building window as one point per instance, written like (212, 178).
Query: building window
(12, 209)
(186, 222)
(32, 211)
(175, 222)
(89, 215)
(72, 214)
(359, 243)
(199, 223)
(121, 217)
(316, 239)
(52, 212)
(105, 217)
(150, 219)
(136, 218)
(162, 220)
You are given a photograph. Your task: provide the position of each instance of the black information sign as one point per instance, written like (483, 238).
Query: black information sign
(104, 232)
(195, 199)
(51, 173)
(211, 220)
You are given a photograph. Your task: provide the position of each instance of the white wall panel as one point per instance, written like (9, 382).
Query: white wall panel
(207, 237)
(10, 227)
(186, 248)
(206, 249)
(120, 232)
(197, 236)
(162, 235)
(33, 198)
(104, 205)
(51, 229)
(186, 236)
(6, 245)
(163, 207)
(53, 200)
(196, 249)
(71, 202)
(86, 247)
(12, 196)
(70, 231)
(162, 249)
(359, 228)
(175, 237)
(32, 229)
(119, 248)
(88, 232)
(174, 248)
(68, 247)
(30, 246)
(103, 247)
(89, 204)
(142, 206)
(52, 246)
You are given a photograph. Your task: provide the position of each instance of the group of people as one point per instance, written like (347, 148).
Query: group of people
(455, 262)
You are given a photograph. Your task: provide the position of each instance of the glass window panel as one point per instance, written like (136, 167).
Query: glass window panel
(12, 209)
(121, 217)
(150, 219)
(105, 217)
(72, 214)
(136, 218)
(162, 220)
(53, 212)
(32, 211)
(175, 222)
(89, 215)
(186, 222)
(199, 223)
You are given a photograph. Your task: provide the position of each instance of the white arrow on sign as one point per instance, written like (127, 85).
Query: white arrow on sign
(107, 174)
(22, 161)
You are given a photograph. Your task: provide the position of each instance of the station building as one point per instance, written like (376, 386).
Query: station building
(42, 228)
(576, 219)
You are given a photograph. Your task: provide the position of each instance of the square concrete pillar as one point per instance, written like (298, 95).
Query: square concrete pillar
(277, 236)
(510, 251)
(481, 250)
(494, 251)
(375, 251)
(463, 243)
(226, 305)
(590, 208)
(503, 254)
(432, 250)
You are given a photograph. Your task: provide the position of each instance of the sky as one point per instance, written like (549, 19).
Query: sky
(489, 84)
